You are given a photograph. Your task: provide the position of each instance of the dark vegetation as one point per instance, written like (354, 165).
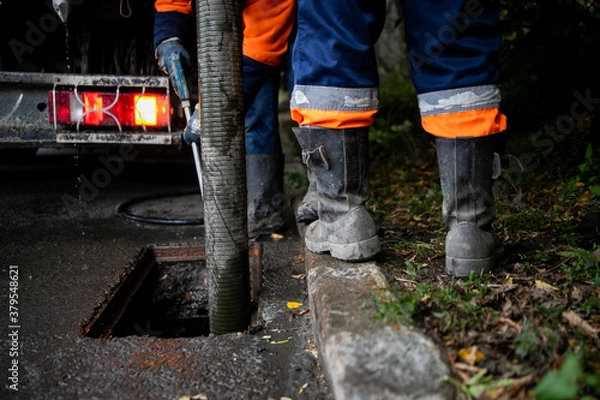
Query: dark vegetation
(531, 328)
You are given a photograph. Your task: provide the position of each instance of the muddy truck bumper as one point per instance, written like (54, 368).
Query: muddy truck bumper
(54, 110)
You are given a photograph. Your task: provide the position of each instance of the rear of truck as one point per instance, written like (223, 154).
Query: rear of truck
(89, 81)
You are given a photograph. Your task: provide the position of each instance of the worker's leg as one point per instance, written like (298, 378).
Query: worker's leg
(334, 99)
(453, 48)
(264, 161)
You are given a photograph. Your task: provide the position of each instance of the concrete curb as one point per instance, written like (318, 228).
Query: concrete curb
(366, 358)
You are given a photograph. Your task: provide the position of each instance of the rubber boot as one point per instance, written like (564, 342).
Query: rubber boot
(468, 167)
(339, 161)
(266, 198)
(307, 210)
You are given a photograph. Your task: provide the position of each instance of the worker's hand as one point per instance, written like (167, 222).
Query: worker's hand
(165, 54)
(192, 130)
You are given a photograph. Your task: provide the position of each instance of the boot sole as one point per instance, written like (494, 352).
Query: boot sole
(351, 252)
(462, 267)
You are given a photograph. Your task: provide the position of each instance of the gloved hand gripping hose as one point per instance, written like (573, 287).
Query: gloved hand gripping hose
(177, 75)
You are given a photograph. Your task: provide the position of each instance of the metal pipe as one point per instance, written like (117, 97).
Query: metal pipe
(223, 163)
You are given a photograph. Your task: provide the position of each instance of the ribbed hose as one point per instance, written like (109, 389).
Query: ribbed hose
(223, 163)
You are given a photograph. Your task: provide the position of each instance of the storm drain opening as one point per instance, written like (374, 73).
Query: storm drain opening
(165, 294)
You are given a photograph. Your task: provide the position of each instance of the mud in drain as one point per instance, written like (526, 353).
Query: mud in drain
(165, 294)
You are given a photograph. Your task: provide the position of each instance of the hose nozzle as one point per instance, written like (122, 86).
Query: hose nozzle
(62, 9)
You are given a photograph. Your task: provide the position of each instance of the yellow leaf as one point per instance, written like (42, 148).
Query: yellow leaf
(292, 305)
(471, 355)
(544, 285)
(276, 237)
(585, 197)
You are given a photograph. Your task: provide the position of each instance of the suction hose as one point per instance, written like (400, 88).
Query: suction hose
(223, 163)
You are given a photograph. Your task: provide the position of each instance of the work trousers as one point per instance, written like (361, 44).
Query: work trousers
(452, 46)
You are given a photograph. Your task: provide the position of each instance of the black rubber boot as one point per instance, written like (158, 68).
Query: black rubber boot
(339, 161)
(266, 198)
(468, 167)
(307, 210)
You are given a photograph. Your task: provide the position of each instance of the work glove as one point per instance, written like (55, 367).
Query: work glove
(164, 54)
(191, 134)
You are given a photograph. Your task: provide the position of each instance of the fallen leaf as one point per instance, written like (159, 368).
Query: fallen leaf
(292, 305)
(466, 367)
(544, 285)
(284, 341)
(510, 322)
(299, 314)
(276, 237)
(312, 348)
(303, 388)
(576, 321)
(299, 276)
(471, 355)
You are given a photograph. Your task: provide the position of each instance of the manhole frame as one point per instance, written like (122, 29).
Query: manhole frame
(106, 318)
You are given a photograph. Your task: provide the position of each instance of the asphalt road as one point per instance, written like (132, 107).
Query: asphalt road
(63, 251)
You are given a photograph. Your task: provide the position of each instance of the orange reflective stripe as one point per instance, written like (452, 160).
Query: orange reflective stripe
(267, 26)
(332, 119)
(182, 6)
(472, 123)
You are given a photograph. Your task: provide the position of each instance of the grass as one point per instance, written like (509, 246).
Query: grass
(530, 328)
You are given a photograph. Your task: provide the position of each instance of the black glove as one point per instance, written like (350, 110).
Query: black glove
(164, 54)
(192, 130)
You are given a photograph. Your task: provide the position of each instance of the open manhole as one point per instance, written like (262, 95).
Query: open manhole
(165, 294)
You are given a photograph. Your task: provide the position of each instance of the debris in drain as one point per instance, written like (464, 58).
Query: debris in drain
(172, 302)
(165, 295)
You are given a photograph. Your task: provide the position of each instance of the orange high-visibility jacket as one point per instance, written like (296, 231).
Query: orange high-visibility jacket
(267, 25)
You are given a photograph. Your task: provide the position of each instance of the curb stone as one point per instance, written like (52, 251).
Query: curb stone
(366, 358)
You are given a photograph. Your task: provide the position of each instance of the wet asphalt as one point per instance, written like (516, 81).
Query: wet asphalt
(63, 250)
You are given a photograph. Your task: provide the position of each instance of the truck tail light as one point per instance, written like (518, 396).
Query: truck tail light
(118, 109)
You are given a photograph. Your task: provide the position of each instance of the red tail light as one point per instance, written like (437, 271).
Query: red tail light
(109, 109)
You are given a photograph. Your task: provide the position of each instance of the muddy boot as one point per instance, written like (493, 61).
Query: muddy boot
(307, 210)
(339, 161)
(266, 198)
(468, 167)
